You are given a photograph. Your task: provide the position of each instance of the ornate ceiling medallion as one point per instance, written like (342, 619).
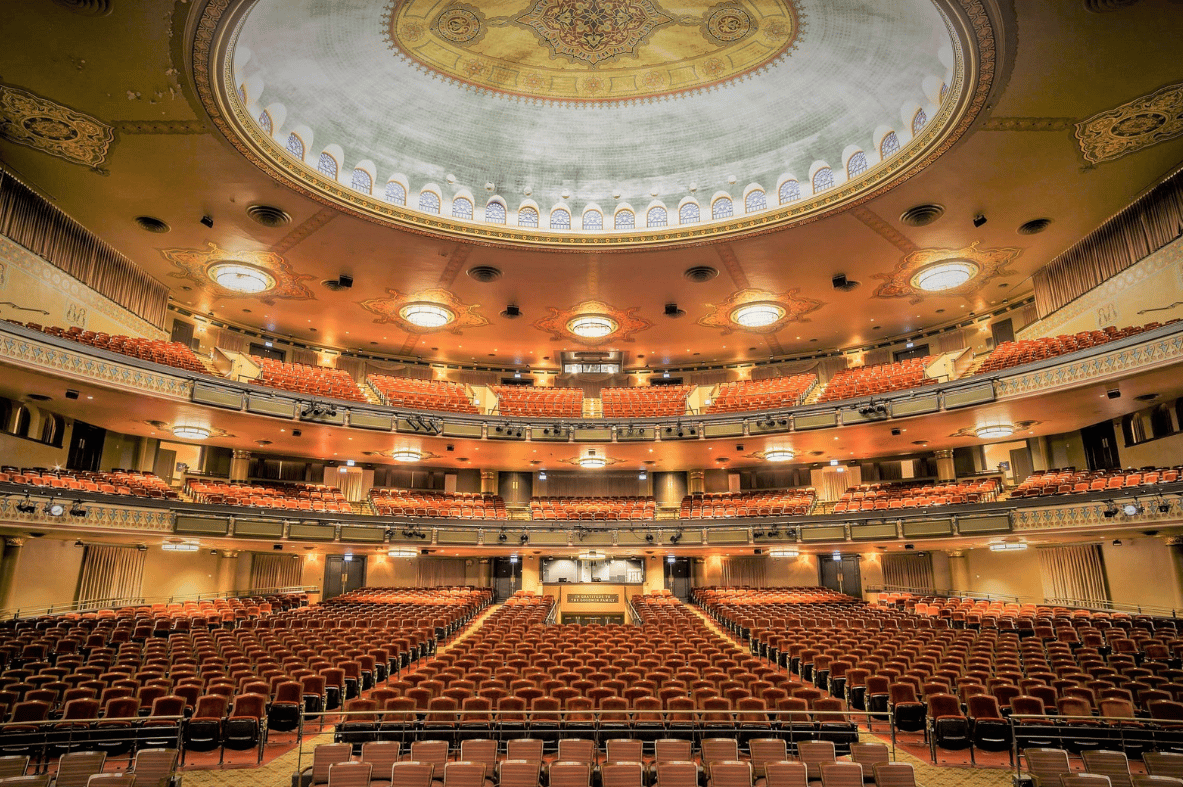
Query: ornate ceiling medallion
(36, 122)
(591, 323)
(592, 31)
(593, 460)
(994, 430)
(429, 311)
(759, 311)
(941, 269)
(245, 274)
(189, 431)
(404, 454)
(1132, 126)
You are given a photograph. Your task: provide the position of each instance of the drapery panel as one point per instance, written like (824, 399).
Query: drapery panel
(111, 576)
(45, 230)
(829, 484)
(1073, 574)
(276, 571)
(908, 571)
(440, 572)
(745, 571)
(232, 341)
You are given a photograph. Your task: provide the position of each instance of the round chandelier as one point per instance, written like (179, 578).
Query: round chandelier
(778, 455)
(994, 431)
(592, 462)
(406, 455)
(944, 275)
(592, 326)
(427, 315)
(241, 277)
(757, 315)
(191, 432)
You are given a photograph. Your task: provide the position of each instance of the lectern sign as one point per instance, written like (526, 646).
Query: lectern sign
(592, 598)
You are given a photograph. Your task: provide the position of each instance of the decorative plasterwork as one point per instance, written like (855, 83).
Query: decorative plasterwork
(194, 265)
(39, 123)
(1132, 126)
(98, 515)
(991, 263)
(387, 310)
(424, 456)
(1154, 353)
(1020, 426)
(609, 461)
(795, 307)
(1090, 514)
(627, 321)
(167, 427)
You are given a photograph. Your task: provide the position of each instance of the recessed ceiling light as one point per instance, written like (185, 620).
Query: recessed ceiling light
(592, 326)
(757, 315)
(427, 315)
(191, 432)
(241, 277)
(944, 275)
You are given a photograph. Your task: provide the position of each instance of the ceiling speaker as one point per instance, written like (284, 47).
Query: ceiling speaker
(842, 283)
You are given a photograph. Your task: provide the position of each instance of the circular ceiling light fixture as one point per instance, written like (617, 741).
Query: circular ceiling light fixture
(778, 455)
(592, 462)
(191, 432)
(592, 326)
(994, 431)
(427, 315)
(944, 275)
(241, 277)
(757, 315)
(406, 455)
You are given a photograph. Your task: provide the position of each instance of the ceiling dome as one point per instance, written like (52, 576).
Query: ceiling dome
(607, 122)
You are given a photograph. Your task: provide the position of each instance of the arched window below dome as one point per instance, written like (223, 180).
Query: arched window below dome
(429, 202)
(722, 208)
(755, 200)
(462, 208)
(919, 121)
(593, 220)
(495, 213)
(560, 219)
(857, 165)
(624, 220)
(689, 213)
(362, 181)
(823, 179)
(327, 165)
(657, 217)
(790, 191)
(527, 217)
(395, 193)
(295, 146)
(889, 146)
(265, 121)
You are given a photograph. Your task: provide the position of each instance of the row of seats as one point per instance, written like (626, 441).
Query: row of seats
(748, 395)
(878, 379)
(293, 497)
(530, 402)
(593, 508)
(311, 380)
(138, 483)
(764, 502)
(1050, 767)
(154, 767)
(1010, 354)
(1071, 481)
(884, 497)
(442, 395)
(428, 503)
(650, 401)
(158, 351)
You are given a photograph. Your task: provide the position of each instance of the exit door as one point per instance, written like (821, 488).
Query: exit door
(677, 578)
(841, 575)
(342, 576)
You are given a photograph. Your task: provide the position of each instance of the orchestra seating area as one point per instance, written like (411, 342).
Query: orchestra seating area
(292, 497)
(884, 497)
(429, 503)
(764, 502)
(310, 380)
(1070, 481)
(649, 401)
(158, 351)
(883, 378)
(747, 395)
(531, 402)
(1010, 354)
(441, 395)
(117, 482)
(593, 508)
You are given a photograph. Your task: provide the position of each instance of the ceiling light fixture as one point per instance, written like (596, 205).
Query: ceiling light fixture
(401, 553)
(778, 455)
(944, 275)
(592, 326)
(191, 432)
(427, 315)
(592, 555)
(1008, 546)
(994, 431)
(757, 315)
(784, 552)
(240, 277)
(592, 462)
(406, 455)
(180, 546)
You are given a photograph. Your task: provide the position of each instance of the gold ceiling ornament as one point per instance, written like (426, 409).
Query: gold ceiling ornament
(269, 275)
(591, 461)
(404, 454)
(976, 429)
(428, 311)
(39, 123)
(592, 50)
(759, 311)
(982, 265)
(592, 323)
(1135, 125)
(188, 430)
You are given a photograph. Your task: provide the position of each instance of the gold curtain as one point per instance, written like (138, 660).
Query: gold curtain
(745, 571)
(1073, 574)
(440, 572)
(111, 576)
(43, 229)
(908, 571)
(275, 571)
(232, 341)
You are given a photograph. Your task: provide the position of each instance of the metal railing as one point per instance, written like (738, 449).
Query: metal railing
(91, 605)
(1093, 605)
(42, 741)
(1130, 735)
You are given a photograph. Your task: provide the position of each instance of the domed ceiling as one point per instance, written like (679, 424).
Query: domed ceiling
(608, 122)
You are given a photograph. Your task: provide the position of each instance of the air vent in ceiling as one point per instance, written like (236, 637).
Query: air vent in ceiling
(701, 273)
(485, 273)
(1034, 227)
(151, 224)
(87, 7)
(268, 215)
(922, 215)
(1105, 6)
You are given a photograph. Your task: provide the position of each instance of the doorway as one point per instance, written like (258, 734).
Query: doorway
(841, 574)
(343, 573)
(86, 447)
(505, 577)
(677, 577)
(1100, 446)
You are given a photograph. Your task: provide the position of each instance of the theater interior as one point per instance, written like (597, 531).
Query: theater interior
(510, 393)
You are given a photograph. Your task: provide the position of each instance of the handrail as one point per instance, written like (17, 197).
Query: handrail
(91, 605)
(1092, 605)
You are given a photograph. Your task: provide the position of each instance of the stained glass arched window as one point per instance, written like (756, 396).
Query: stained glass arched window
(362, 181)
(429, 202)
(265, 121)
(857, 165)
(889, 146)
(790, 191)
(495, 213)
(593, 220)
(755, 200)
(462, 208)
(527, 217)
(657, 217)
(823, 179)
(722, 208)
(395, 193)
(919, 121)
(688, 213)
(296, 146)
(625, 220)
(327, 165)
(560, 219)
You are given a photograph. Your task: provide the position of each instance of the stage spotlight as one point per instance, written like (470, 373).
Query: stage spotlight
(26, 506)
(77, 509)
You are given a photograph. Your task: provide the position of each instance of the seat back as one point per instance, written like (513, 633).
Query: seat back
(350, 774)
(381, 754)
(519, 773)
(622, 774)
(412, 774)
(327, 755)
(894, 774)
(570, 774)
(76, 767)
(155, 767)
(786, 774)
(732, 773)
(677, 774)
(461, 773)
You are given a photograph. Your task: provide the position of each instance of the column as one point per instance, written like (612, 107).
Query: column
(958, 570)
(8, 564)
(695, 482)
(945, 468)
(488, 482)
(240, 465)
